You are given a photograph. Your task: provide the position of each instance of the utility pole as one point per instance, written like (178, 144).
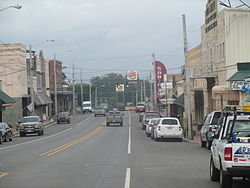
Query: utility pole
(81, 90)
(188, 88)
(96, 97)
(155, 90)
(136, 97)
(74, 100)
(55, 84)
(144, 87)
(151, 92)
(141, 91)
(90, 94)
(32, 85)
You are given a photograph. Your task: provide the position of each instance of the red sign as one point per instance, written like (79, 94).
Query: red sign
(160, 71)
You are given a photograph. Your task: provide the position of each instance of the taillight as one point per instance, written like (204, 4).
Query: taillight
(179, 128)
(210, 129)
(228, 154)
(159, 128)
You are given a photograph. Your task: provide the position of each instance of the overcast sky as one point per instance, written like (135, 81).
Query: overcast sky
(105, 35)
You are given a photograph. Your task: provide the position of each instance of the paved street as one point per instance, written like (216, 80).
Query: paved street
(88, 154)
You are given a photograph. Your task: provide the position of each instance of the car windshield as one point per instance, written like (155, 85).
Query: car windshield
(151, 116)
(2, 126)
(240, 126)
(169, 122)
(63, 114)
(86, 105)
(30, 119)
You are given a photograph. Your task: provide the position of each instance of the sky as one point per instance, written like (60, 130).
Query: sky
(103, 36)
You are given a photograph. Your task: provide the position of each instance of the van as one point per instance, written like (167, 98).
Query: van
(87, 107)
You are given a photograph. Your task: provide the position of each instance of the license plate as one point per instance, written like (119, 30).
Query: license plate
(169, 128)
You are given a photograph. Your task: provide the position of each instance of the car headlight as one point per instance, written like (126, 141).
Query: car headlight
(37, 126)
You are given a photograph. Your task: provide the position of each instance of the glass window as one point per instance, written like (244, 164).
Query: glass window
(30, 119)
(241, 127)
(169, 122)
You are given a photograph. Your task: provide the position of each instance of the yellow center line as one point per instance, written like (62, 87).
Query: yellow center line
(60, 148)
(2, 174)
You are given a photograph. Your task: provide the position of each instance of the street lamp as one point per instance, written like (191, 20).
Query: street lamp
(13, 6)
(55, 78)
(31, 76)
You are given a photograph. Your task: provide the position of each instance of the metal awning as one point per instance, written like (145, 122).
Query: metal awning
(42, 99)
(239, 76)
(6, 100)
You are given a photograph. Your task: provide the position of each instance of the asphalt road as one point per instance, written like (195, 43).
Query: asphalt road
(87, 154)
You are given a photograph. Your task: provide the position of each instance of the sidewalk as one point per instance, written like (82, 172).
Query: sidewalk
(196, 140)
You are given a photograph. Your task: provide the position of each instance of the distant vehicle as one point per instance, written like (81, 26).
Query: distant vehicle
(114, 117)
(31, 124)
(120, 107)
(63, 117)
(230, 150)
(210, 124)
(140, 107)
(99, 111)
(147, 116)
(104, 105)
(149, 126)
(86, 107)
(6, 132)
(168, 127)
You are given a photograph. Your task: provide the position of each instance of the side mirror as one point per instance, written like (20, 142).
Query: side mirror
(200, 125)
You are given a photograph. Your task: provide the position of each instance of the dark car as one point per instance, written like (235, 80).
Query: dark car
(63, 117)
(6, 132)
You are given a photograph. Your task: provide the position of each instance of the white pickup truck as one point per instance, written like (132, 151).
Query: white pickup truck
(230, 149)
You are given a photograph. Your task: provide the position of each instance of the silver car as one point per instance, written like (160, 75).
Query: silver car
(99, 111)
(31, 124)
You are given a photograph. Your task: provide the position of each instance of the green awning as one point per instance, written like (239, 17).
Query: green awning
(6, 99)
(239, 76)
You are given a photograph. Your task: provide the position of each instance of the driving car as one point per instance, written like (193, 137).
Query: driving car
(6, 132)
(149, 126)
(63, 117)
(168, 127)
(114, 117)
(31, 124)
(99, 111)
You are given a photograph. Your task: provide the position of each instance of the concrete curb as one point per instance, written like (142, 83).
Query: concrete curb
(192, 141)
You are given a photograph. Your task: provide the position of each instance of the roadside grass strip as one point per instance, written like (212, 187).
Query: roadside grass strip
(72, 143)
(2, 174)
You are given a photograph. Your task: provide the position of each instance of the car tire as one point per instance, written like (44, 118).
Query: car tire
(58, 122)
(121, 124)
(10, 138)
(42, 132)
(147, 134)
(203, 144)
(95, 115)
(226, 181)
(180, 139)
(1, 139)
(68, 122)
(6, 138)
(155, 137)
(107, 124)
(39, 133)
(214, 172)
(209, 145)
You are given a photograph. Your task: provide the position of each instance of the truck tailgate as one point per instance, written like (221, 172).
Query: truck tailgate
(241, 154)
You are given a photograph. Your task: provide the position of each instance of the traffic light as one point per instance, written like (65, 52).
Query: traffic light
(126, 84)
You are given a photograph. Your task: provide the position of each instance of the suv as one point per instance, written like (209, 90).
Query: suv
(230, 150)
(147, 116)
(99, 111)
(63, 117)
(6, 132)
(31, 124)
(210, 124)
(114, 117)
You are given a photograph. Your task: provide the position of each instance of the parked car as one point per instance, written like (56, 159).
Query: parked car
(99, 111)
(114, 117)
(6, 132)
(149, 126)
(141, 116)
(31, 124)
(168, 127)
(210, 124)
(63, 117)
(147, 116)
(1, 138)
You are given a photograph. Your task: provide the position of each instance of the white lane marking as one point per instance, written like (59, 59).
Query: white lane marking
(129, 118)
(78, 124)
(129, 140)
(44, 137)
(36, 140)
(127, 179)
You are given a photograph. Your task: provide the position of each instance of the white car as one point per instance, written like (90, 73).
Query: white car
(168, 127)
(149, 126)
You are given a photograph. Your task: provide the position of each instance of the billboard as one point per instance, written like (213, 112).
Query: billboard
(160, 73)
(132, 75)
